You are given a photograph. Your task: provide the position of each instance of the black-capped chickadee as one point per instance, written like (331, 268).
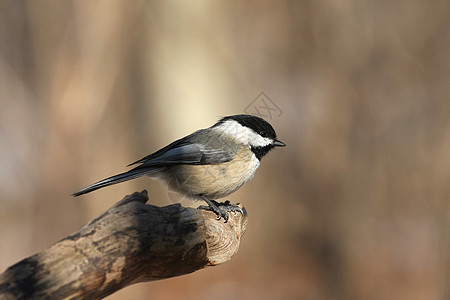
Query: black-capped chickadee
(232, 148)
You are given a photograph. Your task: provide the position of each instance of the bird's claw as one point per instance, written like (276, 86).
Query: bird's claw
(221, 209)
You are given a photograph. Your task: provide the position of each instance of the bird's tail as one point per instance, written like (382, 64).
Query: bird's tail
(132, 174)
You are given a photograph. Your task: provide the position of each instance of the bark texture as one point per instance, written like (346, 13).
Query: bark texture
(131, 242)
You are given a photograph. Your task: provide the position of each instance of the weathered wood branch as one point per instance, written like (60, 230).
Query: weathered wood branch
(131, 242)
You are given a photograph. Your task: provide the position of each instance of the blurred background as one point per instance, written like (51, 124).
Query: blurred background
(355, 207)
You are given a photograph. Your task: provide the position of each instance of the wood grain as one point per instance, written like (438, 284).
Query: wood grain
(129, 243)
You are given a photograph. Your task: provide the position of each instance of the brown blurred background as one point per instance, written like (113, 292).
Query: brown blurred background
(356, 207)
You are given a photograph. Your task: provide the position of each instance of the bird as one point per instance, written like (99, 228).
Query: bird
(208, 164)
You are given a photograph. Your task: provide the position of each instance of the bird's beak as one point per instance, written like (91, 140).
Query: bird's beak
(278, 143)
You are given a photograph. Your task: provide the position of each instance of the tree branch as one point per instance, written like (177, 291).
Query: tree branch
(131, 242)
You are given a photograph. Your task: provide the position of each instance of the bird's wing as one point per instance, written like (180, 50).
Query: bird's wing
(184, 151)
(178, 143)
(188, 150)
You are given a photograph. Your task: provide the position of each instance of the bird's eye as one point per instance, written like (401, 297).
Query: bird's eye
(263, 133)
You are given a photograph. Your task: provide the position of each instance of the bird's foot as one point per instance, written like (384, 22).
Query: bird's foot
(221, 213)
(221, 209)
(227, 206)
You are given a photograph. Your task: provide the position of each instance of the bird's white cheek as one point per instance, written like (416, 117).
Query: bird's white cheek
(256, 140)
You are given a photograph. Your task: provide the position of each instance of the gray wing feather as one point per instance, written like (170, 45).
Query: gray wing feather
(183, 151)
(190, 154)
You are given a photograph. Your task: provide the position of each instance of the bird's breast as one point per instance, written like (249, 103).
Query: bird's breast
(216, 180)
